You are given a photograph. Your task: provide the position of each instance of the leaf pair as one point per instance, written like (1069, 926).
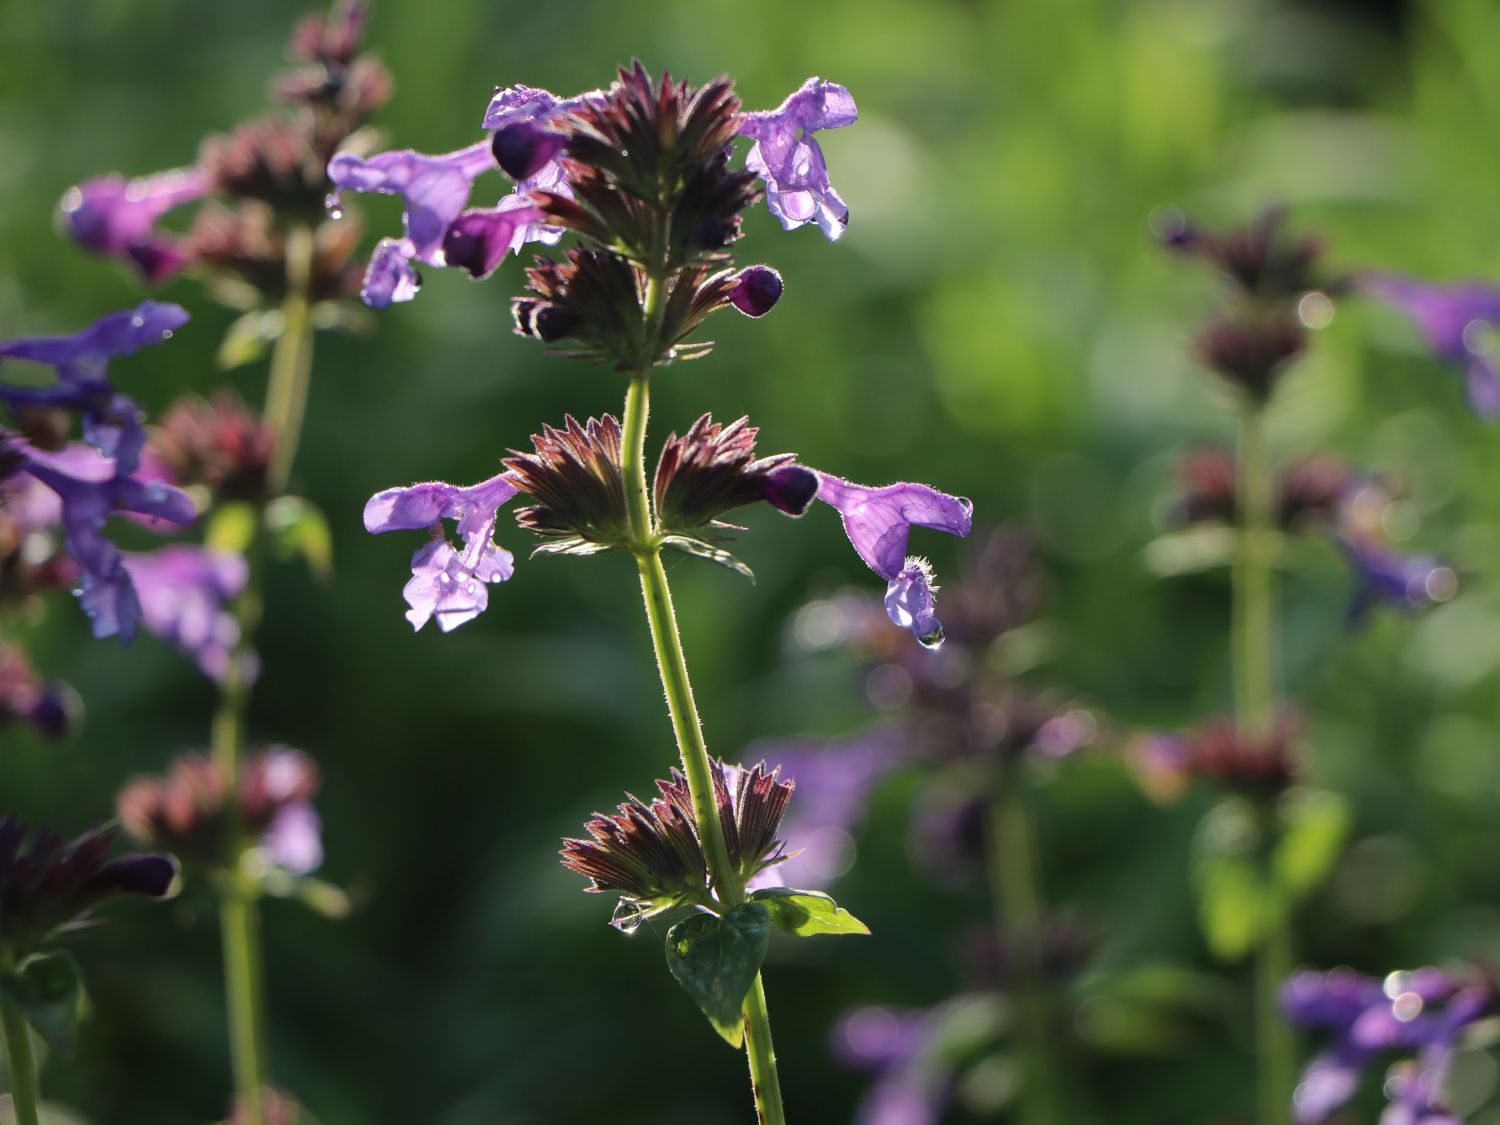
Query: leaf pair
(48, 991)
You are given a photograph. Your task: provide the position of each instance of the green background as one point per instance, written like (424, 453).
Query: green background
(997, 322)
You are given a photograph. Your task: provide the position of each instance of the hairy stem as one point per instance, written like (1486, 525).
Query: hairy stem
(1019, 927)
(688, 728)
(239, 904)
(24, 1096)
(1254, 648)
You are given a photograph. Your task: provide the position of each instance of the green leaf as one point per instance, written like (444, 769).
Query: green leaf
(689, 545)
(299, 529)
(805, 913)
(1233, 896)
(715, 959)
(249, 337)
(1316, 823)
(49, 990)
(232, 528)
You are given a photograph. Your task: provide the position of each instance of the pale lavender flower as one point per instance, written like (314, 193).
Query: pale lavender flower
(1455, 319)
(184, 592)
(116, 218)
(111, 421)
(447, 583)
(91, 490)
(897, 1045)
(879, 522)
(294, 842)
(790, 161)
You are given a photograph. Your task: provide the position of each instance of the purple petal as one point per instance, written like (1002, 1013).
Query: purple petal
(790, 489)
(451, 586)
(435, 188)
(478, 240)
(522, 150)
(115, 217)
(184, 591)
(909, 602)
(390, 277)
(84, 353)
(790, 161)
(294, 841)
(517, 104)
(1384, 576)
(879, 520)
(1329, 1081)
(420, 506)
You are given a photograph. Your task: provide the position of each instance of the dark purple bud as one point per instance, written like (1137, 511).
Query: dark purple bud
(790, 489)
(477, 241)
(757, 290)
(148, 875)
(545, 322)
(524, 149)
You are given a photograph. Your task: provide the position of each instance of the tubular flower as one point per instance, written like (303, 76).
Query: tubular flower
(116, 218)
(447, 583)
(790, 161)
(48, 885)
(111, 421)
(1455, 320)
(184, 591)
(878, 522)
(1385, 576)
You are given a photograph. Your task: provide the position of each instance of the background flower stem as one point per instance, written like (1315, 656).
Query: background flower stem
(672, 664)
(1019, 929)
(239, 906)
(1254, 654)
(23, 1085)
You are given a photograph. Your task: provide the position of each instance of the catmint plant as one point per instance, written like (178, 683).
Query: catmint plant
(262, 243)
(1270, 840)
(641, 173)
(49, 888)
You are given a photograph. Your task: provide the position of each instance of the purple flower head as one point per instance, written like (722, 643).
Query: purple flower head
(1454, 319)
(116, 218)
(91, 490)
(184, 591)
(47, 884)
(879, 522)
(1384, 576)
(448, 583)
(294, 841)
(790, 161)
(436, 191)
(1425, 1011)
(111, 421)
(913, 1086)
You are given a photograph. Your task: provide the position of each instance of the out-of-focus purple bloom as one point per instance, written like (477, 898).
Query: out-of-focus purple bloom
(1425, 1011)
(834, 783)
(49, 708)
(116, 218)
(1455, 320)
(790, 161)
(111, 421)
(184, 591)
(910, 1088)
(448, 584)
(879, 522)
(91, 490)
(294, 842)
(1384, 576)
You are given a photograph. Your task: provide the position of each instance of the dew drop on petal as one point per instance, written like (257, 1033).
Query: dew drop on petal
(333, 201)
(933, 639)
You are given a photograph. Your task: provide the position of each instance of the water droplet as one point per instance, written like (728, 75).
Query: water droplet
(445, 580)
(333, 201)
(932, 639)
(470, 586)
(137, 321)
(628, 916)
(167, 335)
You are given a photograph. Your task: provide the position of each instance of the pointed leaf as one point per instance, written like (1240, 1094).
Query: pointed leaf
(249, 337)
(715, 959)
(805, 913)
(231, 528)
(697, 547)
(1234, 898)
(48, 989)
(1316, 823)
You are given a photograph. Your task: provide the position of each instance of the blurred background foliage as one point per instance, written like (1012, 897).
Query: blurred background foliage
(999, 322)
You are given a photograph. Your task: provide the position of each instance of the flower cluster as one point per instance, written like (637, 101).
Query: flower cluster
(1425, 1012)
(49, 708)
(48, 885)
(1260, 766)
(260, 180)
(652, 855)
(190, 811)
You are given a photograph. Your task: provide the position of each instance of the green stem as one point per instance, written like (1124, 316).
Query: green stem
(1020, 928)
(686, 725)
(24, 1096)
(1254, 645)
(239, 903)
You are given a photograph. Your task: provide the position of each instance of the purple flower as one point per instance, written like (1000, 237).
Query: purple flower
(1453, 318)
(294, 842)
(789, 160)
(912, 1086)
(436, 191)
(756, 290)
(1384, 576)
(111, 421)
(1424, 1011)
(91, 490)
(523, 145)
(878, 522)
(116, 218)
(183, 592)
(447, 583)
